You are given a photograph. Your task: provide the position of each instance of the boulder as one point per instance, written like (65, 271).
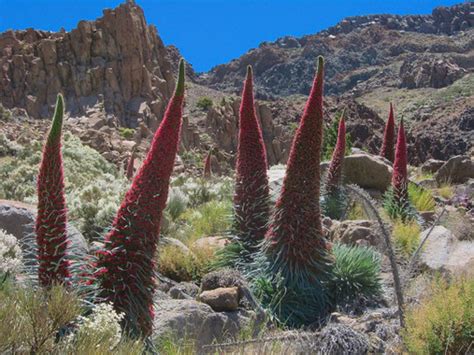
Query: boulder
(443, 252)
(167, 241)
(184, 290)
(358, 232)
(222, 278)
(189, 319)
(457, 169)
(431, 166)
(221, 299)
(367, 171)
(18, 219)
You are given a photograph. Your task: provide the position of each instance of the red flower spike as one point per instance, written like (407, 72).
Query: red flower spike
(388, 144)
(400, 172)
(296, 228)
(51, 220)
(251, 198)
(126, 276)
(207, 166)
(335, 168)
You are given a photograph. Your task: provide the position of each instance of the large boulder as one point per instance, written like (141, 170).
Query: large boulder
(431, 166)
(189, 319)
(457, 169)
(368, 171)
(363, 169)
(443, 252)
(18, 219)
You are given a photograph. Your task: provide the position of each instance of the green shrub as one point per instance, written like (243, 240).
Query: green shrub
(444, 322)
(179, 265)
(93, 207)
(204, 103)
(8, 147)
(126, 133)
(422, 199)
(355, 274)
(445, 191)
(210, 218)
(177, 203)
(30, 319)
(406, 236)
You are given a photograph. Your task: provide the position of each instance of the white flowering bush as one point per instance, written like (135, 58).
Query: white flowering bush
(10, 255)
(101, 327)
(200, 190)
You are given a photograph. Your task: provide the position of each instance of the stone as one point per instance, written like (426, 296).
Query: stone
(189, 319)
(367, 171)
(457, 169)
(443, 252)
(221, 299)
(355, 233)
(18, 219)
(214, 243)
(184, 290)
(431, 166)
(221, 278)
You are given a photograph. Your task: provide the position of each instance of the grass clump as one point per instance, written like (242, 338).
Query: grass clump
(184, 265)
(406, 236)
(445, 191)
(126, 133)
(210, 218)
(204, 103)
(422, 199)
(355, 274)
(444, 322)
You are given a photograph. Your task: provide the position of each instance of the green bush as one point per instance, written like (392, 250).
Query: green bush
(126, 133)
(406, 236)
(204, 103)
(355, 274)
(422, 199)
(444, 322)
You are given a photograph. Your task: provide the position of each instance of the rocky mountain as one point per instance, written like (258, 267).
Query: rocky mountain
(116, 72)
(117, 63)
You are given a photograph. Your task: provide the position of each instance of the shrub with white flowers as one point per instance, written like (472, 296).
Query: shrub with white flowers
(10, 254)
(101, 327)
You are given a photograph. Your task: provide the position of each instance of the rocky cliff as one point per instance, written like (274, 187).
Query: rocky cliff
(116, 63)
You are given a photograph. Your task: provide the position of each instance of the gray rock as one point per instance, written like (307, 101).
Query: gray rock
(443, 252)
(184, 290)
(166, 241)
(221, 299)
(18, 219)
(192, 320)
(221, 278)
(457, 169)
(431, 166)
(355, 233)
(367, 171)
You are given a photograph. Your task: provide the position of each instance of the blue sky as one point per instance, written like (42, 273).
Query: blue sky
(211, 32)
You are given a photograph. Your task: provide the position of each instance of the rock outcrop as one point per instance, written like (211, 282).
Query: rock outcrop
(117, 64)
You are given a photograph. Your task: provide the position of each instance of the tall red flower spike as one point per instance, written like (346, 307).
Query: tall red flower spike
(400, 173)
(207, 165)
(131, 165)
(51, 221)
(335, 167)
(126, 266)
(388, 144)
(251, 197)
(295, 246)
